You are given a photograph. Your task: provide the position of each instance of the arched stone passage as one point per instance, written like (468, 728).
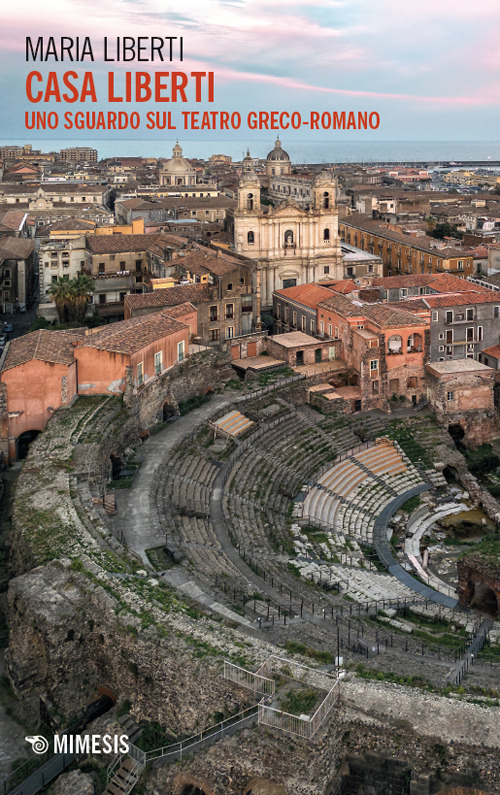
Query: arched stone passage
(23, 443)
(168, 411)
(186, 784)
(457, 433)
(191, 789)
(485, 599)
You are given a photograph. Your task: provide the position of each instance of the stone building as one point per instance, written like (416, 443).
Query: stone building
(222, 313)
(17, 273)
(463, 324)
(296, 308)
(177, 172)
(384, 347)
(38, 374)
(44, 370)
(278, 161)
(292, 245)
(403, 253)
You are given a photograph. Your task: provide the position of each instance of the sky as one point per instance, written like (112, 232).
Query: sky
(429, 68)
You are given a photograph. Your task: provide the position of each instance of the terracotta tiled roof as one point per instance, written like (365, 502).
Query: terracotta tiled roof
(202, 261)
(342, 305)
(129, 336)
(180, 310)
(11, 220)
(460, 299)
(308, 294)
(111, 244)
(493, 350)
(344, 286)
(67, 224)
(422, 243)
(15, 247)
(410, 280)
(389, 316)
(170, 296)
(44, 345)
(416, 305)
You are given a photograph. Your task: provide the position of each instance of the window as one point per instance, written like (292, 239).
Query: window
(441, 348)
(303, 322)
(403, 292)
(249, 201)
(470, 335)
(435, 316)
(322, 326)
(102, 268)
(374, 364)
(470, 314)
(336, 333)
(326, 269)
(496, 311)
(229, 311)
(294, 319)
(479, 333)
(449, 317)
(140, 372)
(370, 268)
(450, 395)
(289, 283)
(102, 298)
(250, 238)
(122, 264)
(214, 314)
(278, 311)
(312, 325)
(180, 351)
(375, 387)
(326, 201)
(229, 332)
(329, 329)
(214, 335)
(242, 280)
(158, 362)
(229, 287)
(326, 234)
(349, 272)
(460, 265)
(112, 256)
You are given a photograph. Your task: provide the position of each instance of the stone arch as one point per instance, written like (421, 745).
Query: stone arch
(250, 237)
(289, 238)
(249, 201)
(168, 410)
(24, 441)
(326, 200)
(326, 234)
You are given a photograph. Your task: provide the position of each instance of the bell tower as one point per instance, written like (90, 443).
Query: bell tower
(249, 189)
(324, 192)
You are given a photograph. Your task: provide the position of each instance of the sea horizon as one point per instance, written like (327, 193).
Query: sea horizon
(299, 151)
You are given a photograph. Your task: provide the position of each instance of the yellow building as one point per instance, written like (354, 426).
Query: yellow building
(401, 253)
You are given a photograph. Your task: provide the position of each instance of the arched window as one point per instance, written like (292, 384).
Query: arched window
(414, 343)
(250, 201)
(394, 344)
(326, 234)
(288, 238)
(250, 237)
(326, 200)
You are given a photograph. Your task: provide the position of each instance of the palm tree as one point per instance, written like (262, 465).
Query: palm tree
(81, 287)
(60, 292)
(71, 297)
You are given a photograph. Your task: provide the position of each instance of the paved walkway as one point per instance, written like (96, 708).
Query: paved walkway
(136, 516)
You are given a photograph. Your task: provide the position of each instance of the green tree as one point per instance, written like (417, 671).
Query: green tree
(71, 297)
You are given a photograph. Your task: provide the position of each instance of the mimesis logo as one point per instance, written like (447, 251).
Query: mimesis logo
(78, 744)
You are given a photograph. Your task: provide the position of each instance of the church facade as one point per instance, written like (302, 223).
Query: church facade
(292, 244)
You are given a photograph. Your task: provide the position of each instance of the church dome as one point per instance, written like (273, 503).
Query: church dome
(177, 163)
(278, 154)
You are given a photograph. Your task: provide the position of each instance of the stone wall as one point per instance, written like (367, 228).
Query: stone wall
(69, 634)
(479, 583)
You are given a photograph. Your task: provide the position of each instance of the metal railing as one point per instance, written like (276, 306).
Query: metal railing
(252, 681)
